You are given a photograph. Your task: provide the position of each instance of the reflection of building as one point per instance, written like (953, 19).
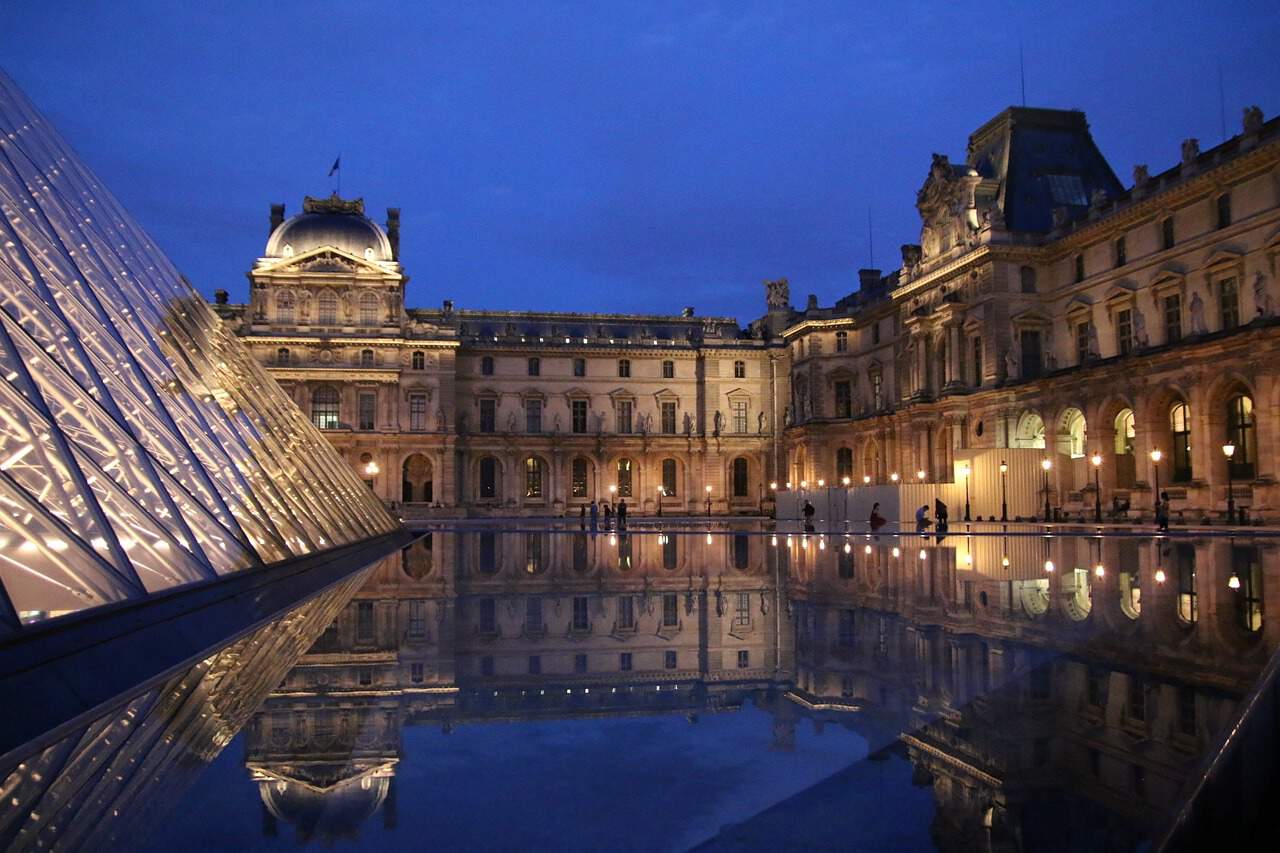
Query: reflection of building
(1052, 310)
(502, 411)
(1027, 699)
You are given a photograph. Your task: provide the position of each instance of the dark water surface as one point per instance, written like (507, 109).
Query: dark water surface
(733, 689)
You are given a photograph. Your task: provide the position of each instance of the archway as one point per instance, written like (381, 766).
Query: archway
(1125, 433)
(416, 480)
(1029, 431)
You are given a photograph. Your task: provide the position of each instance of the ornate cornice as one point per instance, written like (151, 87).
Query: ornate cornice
(388, 376)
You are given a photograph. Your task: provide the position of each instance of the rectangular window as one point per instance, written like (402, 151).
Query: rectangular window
(669, 660)
(742, 612)
(626, 613)
(670, 554)
(533, 482)
(579, 411)
(1122, 254)
(366, 676)
(1096, 686)
(744, 659)
(533, 416)
(1186, 711)
(845, 635)
(1137, 699)
(488, 415)
(367, 404)
(579, 478)
(1080, 267)
(580, 664)
(417, 412)
(668, 477)
(416, 673)
(977, 361)
(875, 332)
(535, 367)
(1224, 210)
(364, 621)
(670, 610)
(842, 341)
(668, 412)
(624, 367)
(581, 619)
(1166, 233)
(579, 367)
(417, 619)
(668, 369)
(1229, 299)
(1029, 339)
(623, 415)
(533, 614)
(1124, 332)
(877, 391)
(739, 411)
(844, 400)
(740, 370)
(1172, 318)
(624, 662)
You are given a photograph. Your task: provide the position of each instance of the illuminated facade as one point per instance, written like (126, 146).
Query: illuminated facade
(142, 447)
(1051, 313)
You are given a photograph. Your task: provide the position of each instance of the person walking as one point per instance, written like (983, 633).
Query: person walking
(941, 517)
(608, 516)
(876, 520)
(622, 514)
(808, 516)
(1162, 513)
(595, 515)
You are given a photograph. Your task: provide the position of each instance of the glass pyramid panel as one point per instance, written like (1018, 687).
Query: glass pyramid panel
(141, 446)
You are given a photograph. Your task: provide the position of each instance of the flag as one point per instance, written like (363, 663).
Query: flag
(336, 165)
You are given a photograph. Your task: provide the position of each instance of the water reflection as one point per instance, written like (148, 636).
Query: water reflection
(1009, 691)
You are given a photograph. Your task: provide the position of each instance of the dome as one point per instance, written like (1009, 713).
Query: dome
(333, 222)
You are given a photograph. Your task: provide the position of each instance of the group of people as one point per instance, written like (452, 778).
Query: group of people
(611, 516)
(941, 517)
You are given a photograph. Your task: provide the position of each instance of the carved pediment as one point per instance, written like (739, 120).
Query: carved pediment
(1224, 256)
(324, 259)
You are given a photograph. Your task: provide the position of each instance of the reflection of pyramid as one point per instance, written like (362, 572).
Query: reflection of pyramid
(141, 447)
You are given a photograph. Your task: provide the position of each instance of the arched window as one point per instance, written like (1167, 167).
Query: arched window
(1240, 432)
(580, 475)
(419, 360)
(1123, 441)
(486, 366)
(535, 366)
(1188, 603)
(1029, 431)
(327, 308)
(844, 464)
(282, 355)
(284, 307)
(1247, 566)
(369, 305)
(740, 477)
(625, 470)
(366, 358)
(1180, 427)
(533, 477)
(669, 484)
(1073, 425)
(488, 478)
(324, 407)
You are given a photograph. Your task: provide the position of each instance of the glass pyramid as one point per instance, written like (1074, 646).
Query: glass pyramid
(141, 446)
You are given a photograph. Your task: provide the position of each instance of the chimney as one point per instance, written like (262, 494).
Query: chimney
(393, 231)
(277, 217)
(220, 297)
(448, 307)
(868, 279)
(687, 312)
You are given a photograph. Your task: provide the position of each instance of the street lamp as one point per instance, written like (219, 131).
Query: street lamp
(920, 475)
(1004, 495)
(866, 479)
(845, 481)
(964, 472)
(662, 493)
(371, 468)
(822, 484)
(894, 476)
(1156, 455)
(1046, 464)
(1229, 450)
(708, 501)
(1096, 459)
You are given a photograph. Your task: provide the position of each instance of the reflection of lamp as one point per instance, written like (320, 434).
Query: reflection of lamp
(1004, 503)
(1229, 450)
(1096, 459)
(1046, 464)
(662, 493)
(923, 555)
(896, 551)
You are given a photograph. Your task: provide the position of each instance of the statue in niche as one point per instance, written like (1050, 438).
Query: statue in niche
(688, 424)
(1197, 314)
(1095, 349)
(786, 415)
(1140, 328)
(1261, 298)
(717, 423)
(760, 423)
(555, 424)
(599, 417)
(441, 421)
(511, 422)
(346, 305)
(1010, 364)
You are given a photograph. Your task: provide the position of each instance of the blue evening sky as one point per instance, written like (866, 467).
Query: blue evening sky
(604, 156)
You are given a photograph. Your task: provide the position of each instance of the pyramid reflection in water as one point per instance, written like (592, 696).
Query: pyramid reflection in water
(141, 447)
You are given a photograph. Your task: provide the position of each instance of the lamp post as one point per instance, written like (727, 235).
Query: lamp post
(866, 479)
(1229, 450)
(894, 476)
(662, 493)
(773, 493)
(1046, 464)
(1096, 459)
(1004, 494)
(708, 501)
(1156, 455)
(920, 475)
(964, 472)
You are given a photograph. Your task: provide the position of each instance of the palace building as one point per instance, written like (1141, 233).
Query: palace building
(1048, 314)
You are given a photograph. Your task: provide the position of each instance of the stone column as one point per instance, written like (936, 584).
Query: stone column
(953, 378)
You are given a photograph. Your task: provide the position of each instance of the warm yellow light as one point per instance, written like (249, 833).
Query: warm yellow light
(371, 468)
(708, 538)
(708, 490)
(897, 552)
(773, 540)
(866, 549)
(1228, 450)
(822, 544)
(920, 474)
(1004, 561)
(1234, 581)
(1156, 455)
(848, 549)
(821, 483)
(613, 489)
(1048, 565)
(894, 476)
(846, 482)
(773, 486)
(866, 479)
(613, 539)
(788, 485)
(804, 484)
(1046, 464)
(923, 554)
(1099, 570)
(964, 470)
(1096, 459)
(1004, 467)
(1160, 576)
(968, 559)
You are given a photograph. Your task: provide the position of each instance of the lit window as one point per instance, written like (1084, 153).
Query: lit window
(324, 407)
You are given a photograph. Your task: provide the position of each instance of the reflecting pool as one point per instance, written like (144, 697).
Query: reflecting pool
(725, 688)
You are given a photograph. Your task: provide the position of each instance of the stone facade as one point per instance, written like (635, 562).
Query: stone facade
(1048, 308)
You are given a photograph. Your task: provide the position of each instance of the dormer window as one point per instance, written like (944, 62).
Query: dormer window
(368, 253)
(419, 360)
(282, 356)
(1122, 255)
(288, 250)
(1080, 267)
(1224, 210)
